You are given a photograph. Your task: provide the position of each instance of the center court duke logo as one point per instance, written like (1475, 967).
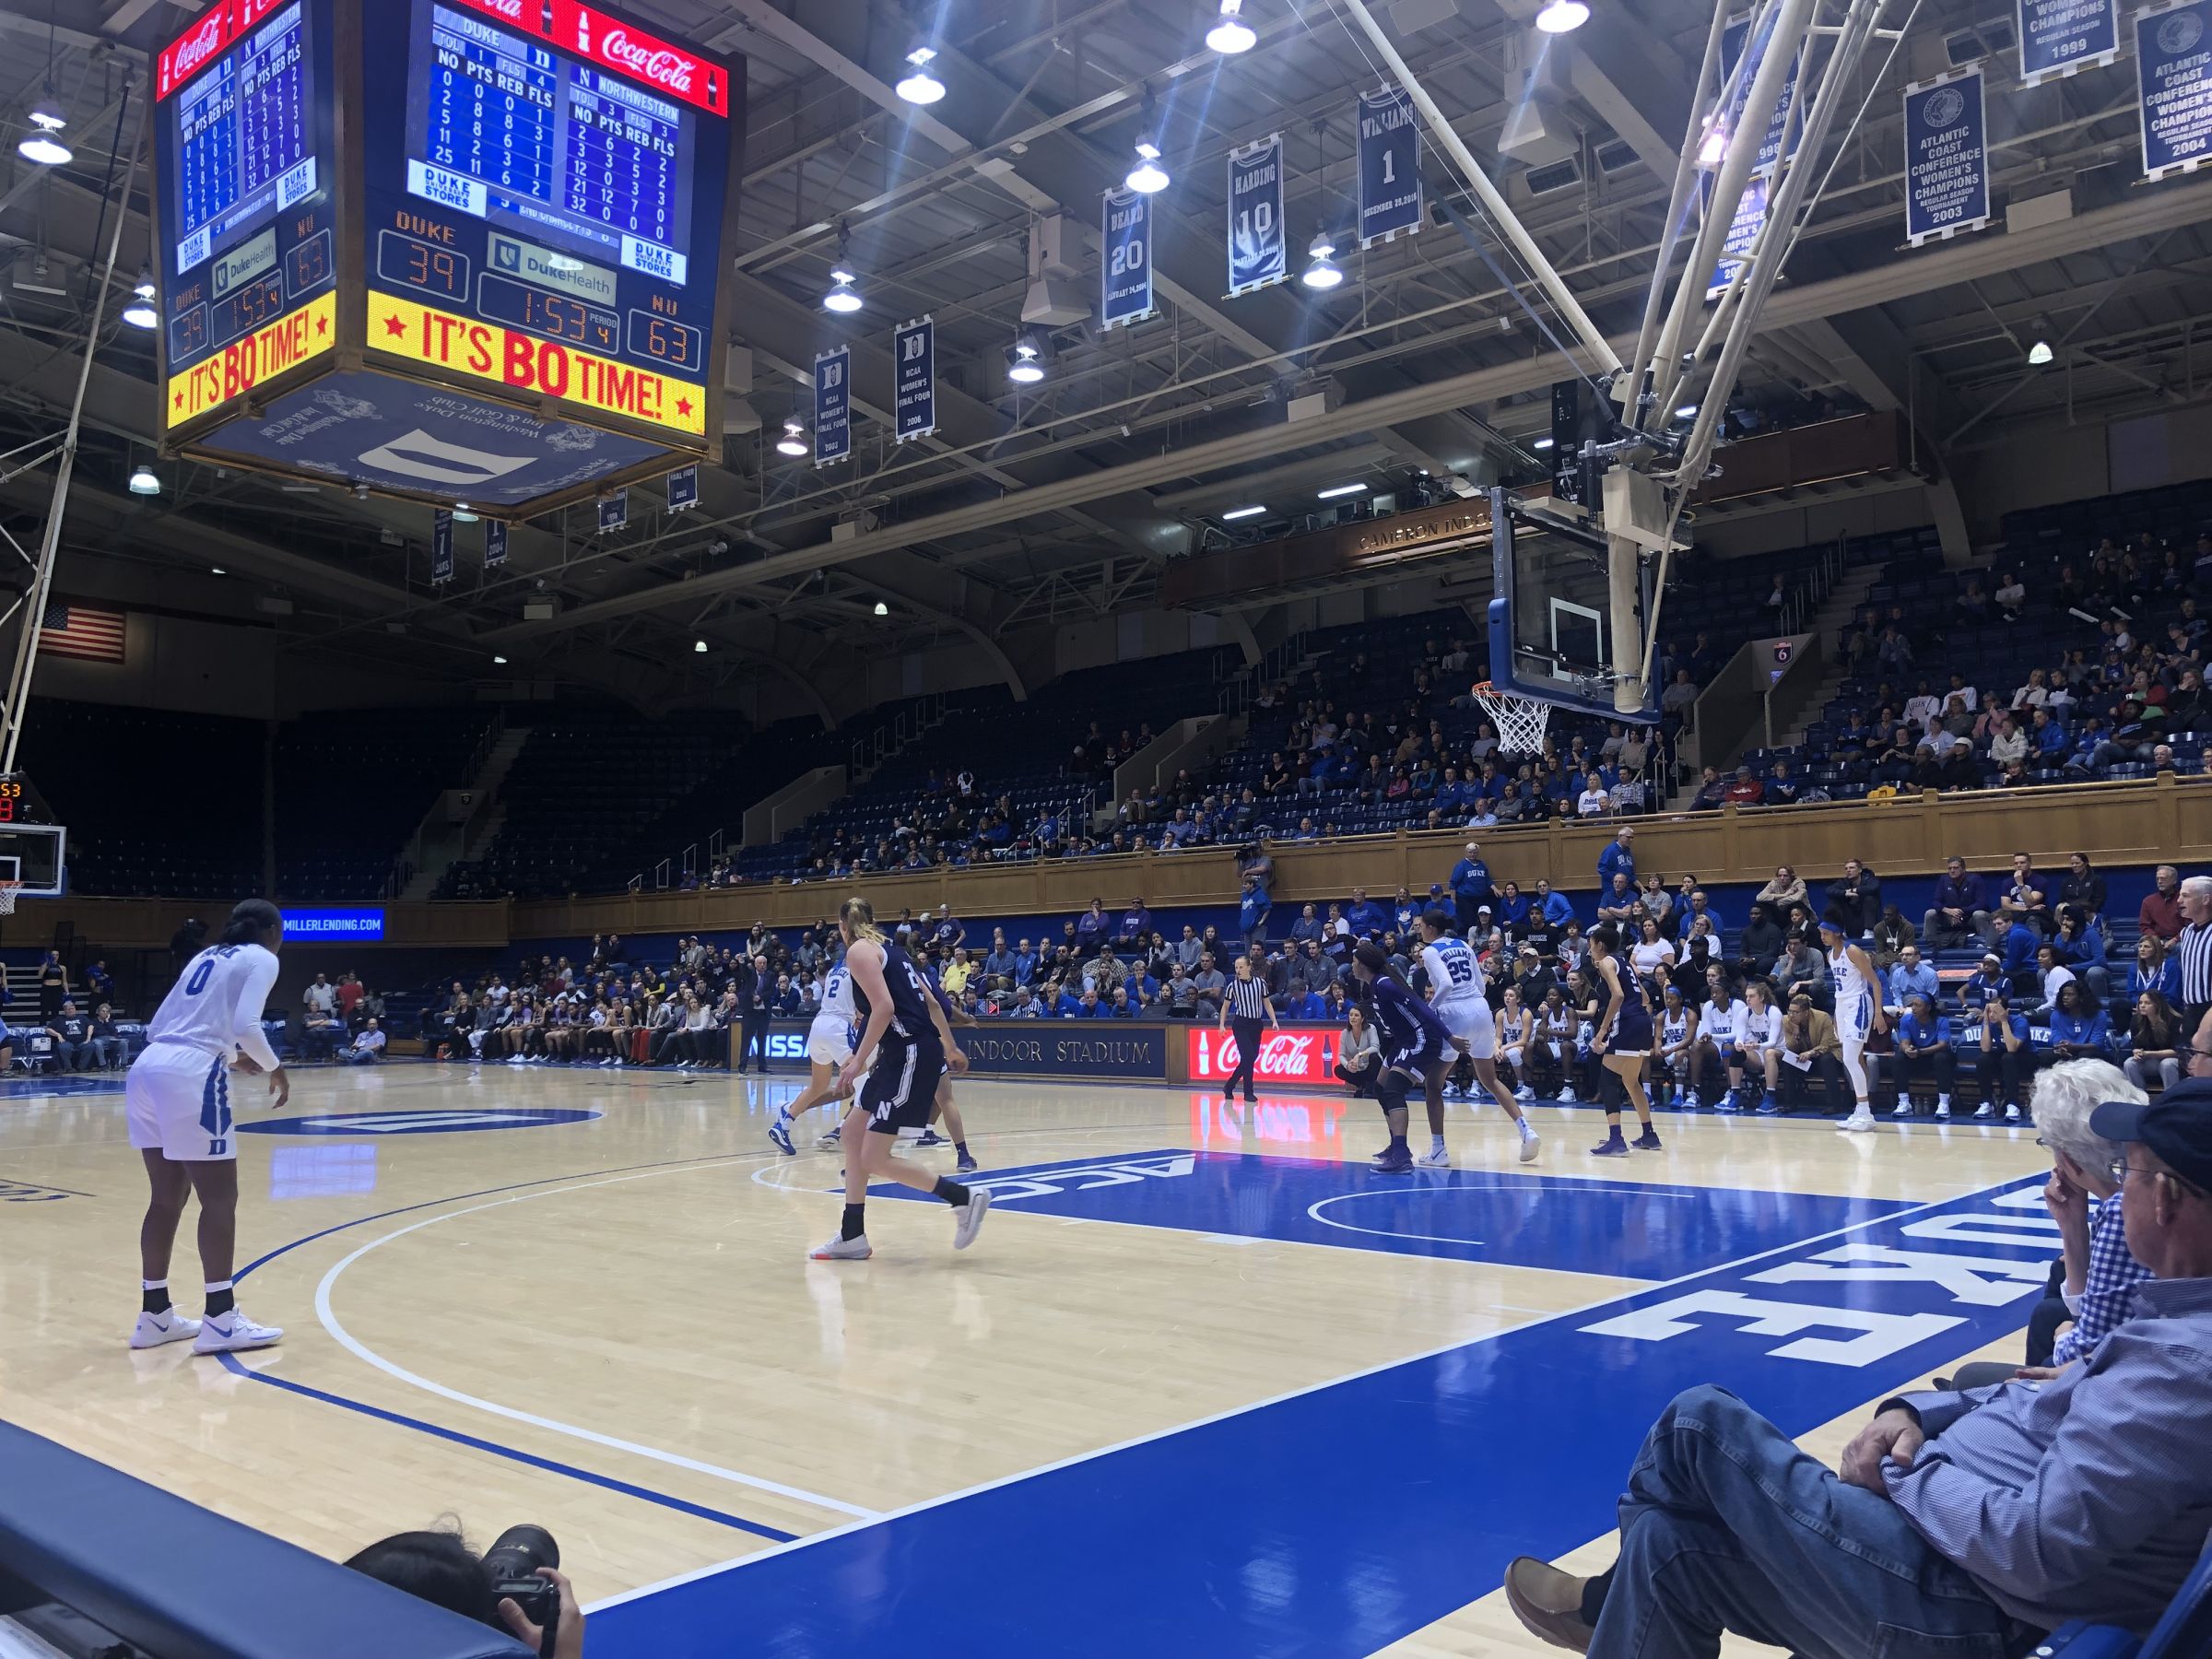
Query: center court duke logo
(418, 1122)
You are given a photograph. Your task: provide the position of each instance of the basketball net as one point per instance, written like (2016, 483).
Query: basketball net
(1521, 721)
(8, 889)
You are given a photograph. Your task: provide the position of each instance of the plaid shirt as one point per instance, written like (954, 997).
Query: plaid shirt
(2108, 1290)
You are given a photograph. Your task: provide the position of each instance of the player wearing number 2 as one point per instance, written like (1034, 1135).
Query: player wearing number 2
(1456, 987)
(178, 1103)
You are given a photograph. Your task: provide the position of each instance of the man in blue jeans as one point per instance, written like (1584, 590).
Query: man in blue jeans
(1962, 1525)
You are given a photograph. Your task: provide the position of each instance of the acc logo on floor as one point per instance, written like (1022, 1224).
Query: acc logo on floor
(419, 1122)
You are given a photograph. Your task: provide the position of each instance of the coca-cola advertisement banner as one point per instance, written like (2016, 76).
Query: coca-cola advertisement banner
(621, 45)
(1304, 1056)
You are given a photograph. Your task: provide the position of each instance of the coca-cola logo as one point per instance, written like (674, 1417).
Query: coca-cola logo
(510, 9)
(1285, 1056)
(658, 64)
(188, 53)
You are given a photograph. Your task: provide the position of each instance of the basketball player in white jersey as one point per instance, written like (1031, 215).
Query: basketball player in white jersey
(1858, 1014)
(1671, 1061)
(1456, 991)
(177, 1100)
(829, 1046)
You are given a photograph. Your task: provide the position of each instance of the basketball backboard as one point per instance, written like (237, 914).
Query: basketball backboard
(34, 854)
(1558, 627)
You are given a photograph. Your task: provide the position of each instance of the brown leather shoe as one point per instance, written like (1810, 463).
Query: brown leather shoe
(1548, 1602)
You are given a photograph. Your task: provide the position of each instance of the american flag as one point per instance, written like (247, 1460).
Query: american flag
(82, 631)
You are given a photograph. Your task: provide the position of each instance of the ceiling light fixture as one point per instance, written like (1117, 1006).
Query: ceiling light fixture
(1321, 270)
(46, 149)
(882, 609)
(701, 646)
(1231, 34)
(1687, 412)
(2040, 353)
(461, 515)
(1542, 443)
(45, 113)
(842, 297)
(1025, 363)
(794, 442)
(216, 570)
(1714, 149)
(1559, 17)
(921, 87)
(140, 312)
(1245, 512)
(143, 481)
(1148, 177)
(499, 662)
(1335, 490)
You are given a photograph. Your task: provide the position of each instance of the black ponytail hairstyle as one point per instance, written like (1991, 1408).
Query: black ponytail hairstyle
(250, 918)
(1370, 956)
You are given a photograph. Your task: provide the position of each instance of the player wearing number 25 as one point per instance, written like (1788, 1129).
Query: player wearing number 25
(178, 1100)
(1962, 1522)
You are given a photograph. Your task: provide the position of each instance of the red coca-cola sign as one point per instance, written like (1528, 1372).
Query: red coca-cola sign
(624, 47)
(1287, 1056)
(195, 48)
(522, 14)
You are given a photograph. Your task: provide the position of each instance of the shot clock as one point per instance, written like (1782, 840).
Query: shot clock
(456, 250)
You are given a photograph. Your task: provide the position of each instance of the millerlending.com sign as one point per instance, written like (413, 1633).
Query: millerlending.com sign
(335, 921)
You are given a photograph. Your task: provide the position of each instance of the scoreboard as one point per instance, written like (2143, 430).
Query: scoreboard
(464, 250)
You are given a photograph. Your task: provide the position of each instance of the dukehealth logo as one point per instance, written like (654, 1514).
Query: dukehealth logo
(1285, 1056)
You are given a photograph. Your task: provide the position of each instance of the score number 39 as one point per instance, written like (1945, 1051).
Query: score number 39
(11, 795)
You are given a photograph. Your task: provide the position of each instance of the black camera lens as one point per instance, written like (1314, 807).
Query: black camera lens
(519, 1552)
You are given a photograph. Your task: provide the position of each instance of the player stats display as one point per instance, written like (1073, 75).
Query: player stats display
(531, 225)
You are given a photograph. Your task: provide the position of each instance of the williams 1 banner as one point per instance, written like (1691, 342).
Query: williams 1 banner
(1125, 259)
(2173, 74)
(1257, 254)
(2058, 36)
(1390, 166)
(494, 543)
(1946, 157)
(832, 405)
(915, 350)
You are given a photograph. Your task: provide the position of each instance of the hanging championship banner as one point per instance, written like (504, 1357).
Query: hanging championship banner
(1124, 259)
(683, 489)
(442, 547)
(494, 543)
(832, 405)
(2058, 36)
(614, 510)
(1732, 48)
(1258, 254)
(1390, 166)
(1750, 219)
(915, 350)
(1947, 160)
(2173, 78)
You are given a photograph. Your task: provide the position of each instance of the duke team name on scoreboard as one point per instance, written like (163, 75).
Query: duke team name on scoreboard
(503, 294)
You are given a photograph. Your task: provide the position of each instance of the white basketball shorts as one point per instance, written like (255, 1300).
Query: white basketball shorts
(830, 1043)
(177, 1100)
(1470, 1019)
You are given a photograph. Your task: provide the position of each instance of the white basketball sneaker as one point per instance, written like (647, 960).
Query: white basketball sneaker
(227, 1332)
(1436, 1158)
(1859, 1122)
(154, 1329)
(843, 1250)
(968, 1218)
(1530, 1144)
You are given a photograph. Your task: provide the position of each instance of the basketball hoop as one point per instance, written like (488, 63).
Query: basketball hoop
(8, 889)
(1521, 721)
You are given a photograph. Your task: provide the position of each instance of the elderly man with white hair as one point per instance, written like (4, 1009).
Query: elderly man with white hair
(1959, 1521)
(2097, 1289)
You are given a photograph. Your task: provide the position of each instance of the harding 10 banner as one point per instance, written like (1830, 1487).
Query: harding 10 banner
(1946, 157)
(1390, 166)
(2174, 71)
(1125, 259)
(915, 350)
(1257, 255)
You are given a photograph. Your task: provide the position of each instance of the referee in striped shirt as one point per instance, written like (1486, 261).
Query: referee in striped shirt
(1244, 1004)
(2195, 948)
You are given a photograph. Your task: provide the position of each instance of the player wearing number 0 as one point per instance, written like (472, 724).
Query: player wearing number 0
(1858, 1013)
(905, 1048)
(1456, 991)
(177, 1100)
(829, 1046)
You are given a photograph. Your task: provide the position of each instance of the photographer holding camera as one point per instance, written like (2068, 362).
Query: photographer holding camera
(513, 1586)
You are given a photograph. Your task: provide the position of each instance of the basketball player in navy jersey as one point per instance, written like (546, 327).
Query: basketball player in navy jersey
(905, 1048)
(1624, 1039)
(1415, 1046)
